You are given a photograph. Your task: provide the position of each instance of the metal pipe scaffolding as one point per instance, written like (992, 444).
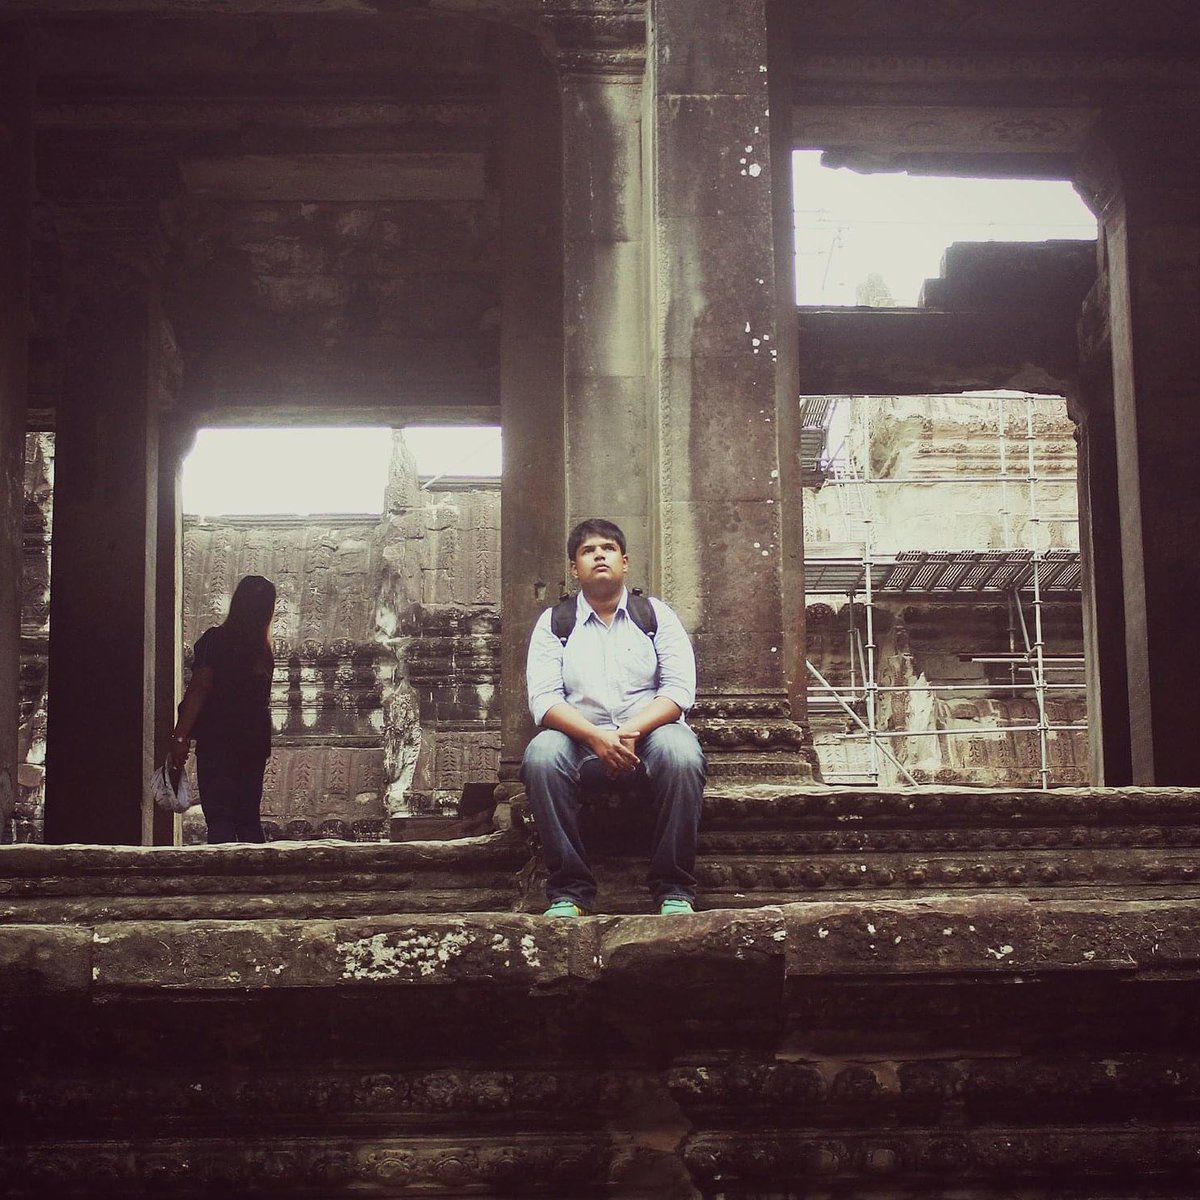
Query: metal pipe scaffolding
(855, 471)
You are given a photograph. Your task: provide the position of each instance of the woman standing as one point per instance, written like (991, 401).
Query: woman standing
(226, 708)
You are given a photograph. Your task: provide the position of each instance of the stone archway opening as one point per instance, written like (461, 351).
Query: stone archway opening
(942, 544)
(387, 620)
(384, 545)
(945, 635)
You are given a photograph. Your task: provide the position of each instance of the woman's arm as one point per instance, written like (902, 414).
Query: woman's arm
(193, 701)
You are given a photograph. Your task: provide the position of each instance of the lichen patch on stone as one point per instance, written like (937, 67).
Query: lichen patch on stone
(387, 957)
(529, 951)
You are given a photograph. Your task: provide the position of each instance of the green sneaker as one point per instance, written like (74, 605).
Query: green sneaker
(563, 907)
(673, 906)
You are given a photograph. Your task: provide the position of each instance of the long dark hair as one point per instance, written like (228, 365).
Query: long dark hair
(250, 613)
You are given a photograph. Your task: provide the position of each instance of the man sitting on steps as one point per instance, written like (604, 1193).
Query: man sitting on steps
(610, 675)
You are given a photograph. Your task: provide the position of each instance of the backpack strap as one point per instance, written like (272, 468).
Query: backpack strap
(562, 618)
(641, 613)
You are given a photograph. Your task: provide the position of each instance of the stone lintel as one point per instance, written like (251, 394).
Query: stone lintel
(911, 129)
(197, 115)
(890, 351)
(900, 39)
(427, 401)
(339, 177)
(522, 12)
(486, 9)
(925, 67)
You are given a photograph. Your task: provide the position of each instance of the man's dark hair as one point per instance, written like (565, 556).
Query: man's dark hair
(593, 525)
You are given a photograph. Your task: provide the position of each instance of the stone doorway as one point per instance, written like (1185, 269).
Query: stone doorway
(387, 652)
(385, 699)
(945, 636)
(944, 569)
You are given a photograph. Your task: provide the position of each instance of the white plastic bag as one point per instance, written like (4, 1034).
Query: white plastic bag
(168, 797)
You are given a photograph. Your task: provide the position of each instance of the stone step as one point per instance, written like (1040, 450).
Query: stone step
(767, 843)
(759, 844)
(72, 884)
(984, 1046)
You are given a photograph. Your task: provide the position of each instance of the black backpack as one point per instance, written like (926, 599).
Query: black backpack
(641, 613)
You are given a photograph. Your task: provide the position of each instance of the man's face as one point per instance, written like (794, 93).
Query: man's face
(599, 562)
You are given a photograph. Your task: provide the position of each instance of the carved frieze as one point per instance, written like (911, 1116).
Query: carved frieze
(751, 735)
(548, 1165)
(734, 1159)
(597, 36)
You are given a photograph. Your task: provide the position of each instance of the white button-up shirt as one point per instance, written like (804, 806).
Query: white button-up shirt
(610, 672)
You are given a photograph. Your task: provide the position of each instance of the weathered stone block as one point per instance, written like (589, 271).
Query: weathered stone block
(714, 160)
(602, 194)
(603, 309)
(728, 401)
(44, 960)
(238, 956)
(716, 48)
(711, 301)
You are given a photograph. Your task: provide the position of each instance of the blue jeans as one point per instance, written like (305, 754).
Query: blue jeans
(675, 767)
(230, 795)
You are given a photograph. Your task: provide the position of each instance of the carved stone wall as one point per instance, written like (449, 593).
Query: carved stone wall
(923, 647)
(935, 465)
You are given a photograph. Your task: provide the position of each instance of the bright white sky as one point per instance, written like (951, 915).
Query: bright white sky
(848, 225)
(301, 471)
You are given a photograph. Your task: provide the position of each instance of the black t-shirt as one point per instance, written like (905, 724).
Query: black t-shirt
(236, 718)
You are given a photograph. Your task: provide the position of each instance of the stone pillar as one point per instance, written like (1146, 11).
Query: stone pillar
(787, 364)
(175, 439)
(1149, 205)
(1103, 595)
(16, 190)
(102, 664)
(718, 327)
(533, 496)
(609, 451)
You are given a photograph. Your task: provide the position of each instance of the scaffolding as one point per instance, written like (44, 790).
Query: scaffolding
(1028, 576)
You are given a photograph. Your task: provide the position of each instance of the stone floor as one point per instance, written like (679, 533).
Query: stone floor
(912, 994)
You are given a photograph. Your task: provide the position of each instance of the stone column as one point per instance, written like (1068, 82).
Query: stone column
(16, 190)
(1149, 205)
(1103, 595)
(787, 362)
(718, 325)
(609, 452)
(100, 735)
(175, 438)
(533, 495)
